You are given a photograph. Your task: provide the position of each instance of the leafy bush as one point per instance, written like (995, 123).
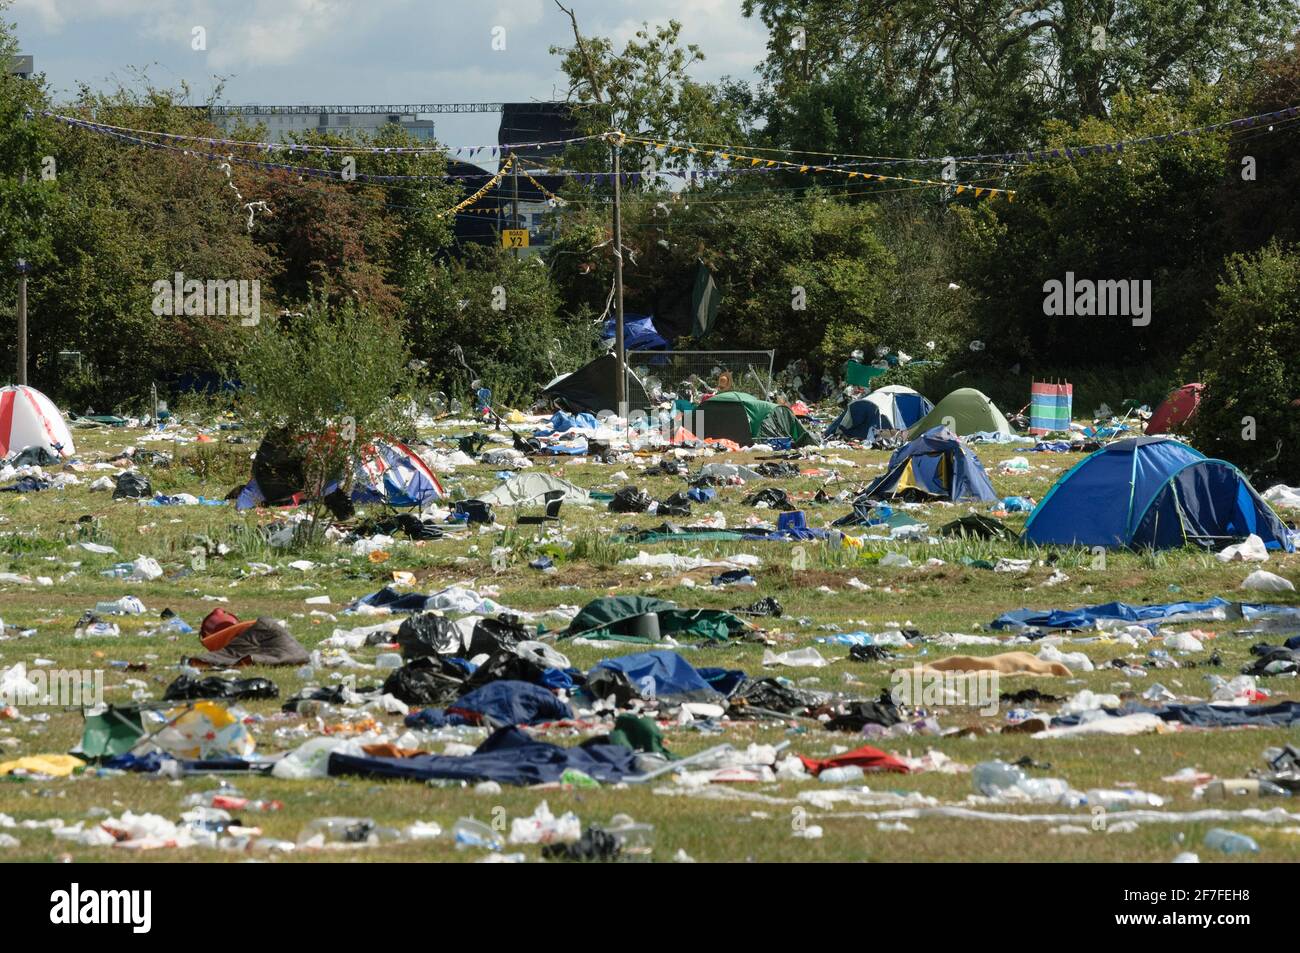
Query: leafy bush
(504, 316)
(331, 380)
(1249, 362)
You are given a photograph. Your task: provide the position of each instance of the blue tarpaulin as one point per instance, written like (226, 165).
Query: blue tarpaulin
(496, 704)
(508, 757)
(639, 333)
(1086, 617)
(659, 674)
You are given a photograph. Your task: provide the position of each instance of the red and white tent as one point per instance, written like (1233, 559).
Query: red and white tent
(29, 419)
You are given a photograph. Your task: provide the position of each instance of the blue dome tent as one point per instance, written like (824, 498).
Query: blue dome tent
(889, 408)
(1153, 492)
(935, 464)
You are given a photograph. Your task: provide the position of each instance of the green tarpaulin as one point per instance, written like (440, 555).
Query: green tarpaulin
(861, 375)
(602, 619)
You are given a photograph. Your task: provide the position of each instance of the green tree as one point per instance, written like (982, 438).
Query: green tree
(489, 317)
(1249, 361)
(1143, 215)
(331, 380)
(645, 90)
(983, 75)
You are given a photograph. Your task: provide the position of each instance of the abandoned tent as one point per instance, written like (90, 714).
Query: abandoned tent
(1153, 492)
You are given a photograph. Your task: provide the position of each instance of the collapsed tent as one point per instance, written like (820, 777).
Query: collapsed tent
(392, 473)
(508, 757)
(533, 487)
(890, 408)
(385, 472)
(29, 419)
(1153, 492)
(645, 619)
(935, 464)
(594, 388)
(1178, 408)
(965, 411)
(767, 421)
(661, 675)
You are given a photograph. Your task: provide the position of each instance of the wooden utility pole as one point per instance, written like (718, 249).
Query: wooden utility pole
(21, 372)
(616, 140)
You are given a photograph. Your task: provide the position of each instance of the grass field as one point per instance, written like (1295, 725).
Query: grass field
(720, 823)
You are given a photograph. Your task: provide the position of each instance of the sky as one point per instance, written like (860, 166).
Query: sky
(358, 51)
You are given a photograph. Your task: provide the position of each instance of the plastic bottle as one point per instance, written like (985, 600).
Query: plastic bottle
(229, 801)
(1230, 842)
(990, 777)
(636, 840)
(844, 775)
(340, 830)
(467, 832)
(387, 660)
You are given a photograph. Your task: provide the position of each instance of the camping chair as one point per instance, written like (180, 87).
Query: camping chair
(553, 500)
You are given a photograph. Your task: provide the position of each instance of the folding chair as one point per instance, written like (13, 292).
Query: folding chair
(553, 500)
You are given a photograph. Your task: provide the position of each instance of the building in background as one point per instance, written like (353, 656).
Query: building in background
(284, 121)
(523, 123)
(21, 66)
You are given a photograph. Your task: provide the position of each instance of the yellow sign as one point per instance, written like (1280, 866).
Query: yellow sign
(514, 238)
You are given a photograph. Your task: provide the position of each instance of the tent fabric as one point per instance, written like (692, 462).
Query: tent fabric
(639, 333)
(1088, 616)
(935, 464)
(393, 473)
(766, 419)
(29, 419)
(1153, 492)
(1207, 715)
(867, 758)
(725, 421)
(509, 756)
(385, 472)
(861, 375)
(508, 702)
(594, 388)
(971, 412)
(529, 488)
(266, 642)
(705, 298)
(889, 408)
(659, 674)
(607, 618)
(1177, 409)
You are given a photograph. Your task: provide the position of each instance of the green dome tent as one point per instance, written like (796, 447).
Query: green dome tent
(766, 419)
(970, 412)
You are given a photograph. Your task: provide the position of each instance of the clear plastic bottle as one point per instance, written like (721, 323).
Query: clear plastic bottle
(1230, 842)
(467, 832)
(843, 775)
(340, 830)
(990, 777)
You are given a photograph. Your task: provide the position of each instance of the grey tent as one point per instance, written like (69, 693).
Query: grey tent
(593, 388)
